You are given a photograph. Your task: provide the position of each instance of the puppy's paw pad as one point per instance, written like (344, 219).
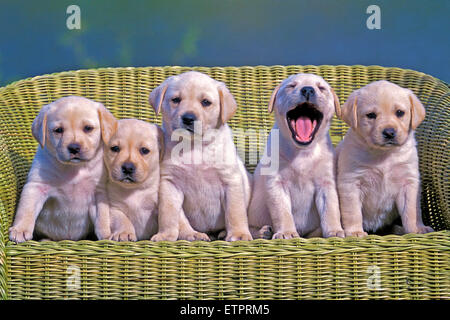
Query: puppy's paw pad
(123, 236)
(286, 235)
(358, 234)
(19, 235)
(334, 233)
(265, 232)
(239, 236)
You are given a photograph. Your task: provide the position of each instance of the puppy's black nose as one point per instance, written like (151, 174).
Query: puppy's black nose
(389, 133)
(74, 148)
(128, 168)
(307, 92)
(188, 119)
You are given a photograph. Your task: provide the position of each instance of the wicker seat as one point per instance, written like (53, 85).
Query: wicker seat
(386, 267)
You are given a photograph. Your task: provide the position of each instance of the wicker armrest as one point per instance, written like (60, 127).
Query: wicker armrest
(3, 277)
(8, 190)
(433, 137)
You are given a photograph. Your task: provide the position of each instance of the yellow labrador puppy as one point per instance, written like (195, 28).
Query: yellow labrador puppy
(59, 200)
(298, 198)
(204, 185)
(132, 157)
(377, 162)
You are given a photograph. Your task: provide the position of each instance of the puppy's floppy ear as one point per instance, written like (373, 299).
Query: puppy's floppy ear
(337, 105)
(39, 126)
(417, 111)
(349, 110)
(273, 98)
(228, 105)
(161, 143)
(156, 97)
(108, 123)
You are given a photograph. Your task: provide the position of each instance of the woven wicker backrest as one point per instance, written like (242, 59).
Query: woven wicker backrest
(124, 91)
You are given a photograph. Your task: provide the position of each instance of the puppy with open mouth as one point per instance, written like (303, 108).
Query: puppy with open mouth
(132, 155)
(207, 190)
(61, 198)
(299, 198)
(377, 162)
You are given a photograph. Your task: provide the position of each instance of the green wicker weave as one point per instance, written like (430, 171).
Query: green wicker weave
(409, 267)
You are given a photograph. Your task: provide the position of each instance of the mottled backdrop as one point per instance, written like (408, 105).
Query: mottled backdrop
(35, 40)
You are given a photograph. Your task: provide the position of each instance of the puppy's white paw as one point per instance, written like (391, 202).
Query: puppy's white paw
(334, 233)
(164, 236)
(103, 233)
(266, 232)
(195, 236)
(355, 233)
(423, 229)
(20, 234)
(123, 236)
(238, 236)
(286, 235)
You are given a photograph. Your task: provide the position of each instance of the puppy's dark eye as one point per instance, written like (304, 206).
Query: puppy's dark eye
(176, 100)
(88, 128)
(144, 150)
(371, 115)
(400, 113)
(206, 103)
(292, 85)
(321, 88)
(58, 130)
(115, 149)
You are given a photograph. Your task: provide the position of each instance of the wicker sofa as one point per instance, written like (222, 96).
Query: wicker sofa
(401, 267)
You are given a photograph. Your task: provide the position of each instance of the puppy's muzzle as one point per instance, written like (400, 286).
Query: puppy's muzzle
(389, 135)
(188, 120)
(128, 171)
(307, 92)
(74, 150)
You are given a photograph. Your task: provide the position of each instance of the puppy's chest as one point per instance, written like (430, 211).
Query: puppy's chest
(135, 203)
(204, 194)
(79, 189)
(380, 186)
(300, 188)
(197, 178)
(379, 181)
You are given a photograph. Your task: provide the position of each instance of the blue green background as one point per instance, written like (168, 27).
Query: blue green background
(34, 38)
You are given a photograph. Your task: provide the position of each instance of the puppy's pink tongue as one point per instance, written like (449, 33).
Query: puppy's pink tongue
(303, 128)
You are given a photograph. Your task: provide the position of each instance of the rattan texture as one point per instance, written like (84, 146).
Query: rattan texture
(409, 267)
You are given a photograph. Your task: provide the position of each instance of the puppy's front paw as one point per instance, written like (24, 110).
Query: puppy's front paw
(266, 232)
(421, 229)
(20, 233)
(286, 235)
(355, 233)
(238, 236)
(334, 233)
(164, 236)
(103, 233)
(195, 236)
(123, 236)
